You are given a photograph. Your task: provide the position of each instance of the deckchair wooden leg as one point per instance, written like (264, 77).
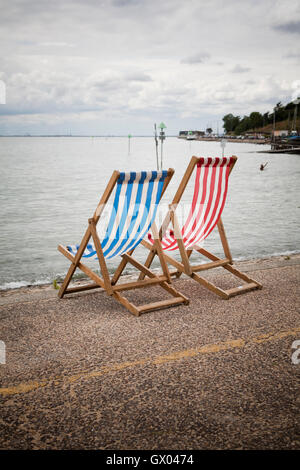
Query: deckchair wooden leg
(178, 236)
(179, 266)
(175, 292)
(125, 302)
(120, 269)
(251, 284)
(148, 262)
(82, 267)
(139, 266)
(159, 252)
(210, 286)
(169, 259)
(179, 273)
(75, 262)
(224, 240)
(241, 275)
(67, 280)
(150, 274)
(82, 288)
(101, 258)
(156, 250)
(152, 252)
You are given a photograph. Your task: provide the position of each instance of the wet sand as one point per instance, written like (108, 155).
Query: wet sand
(83, 373)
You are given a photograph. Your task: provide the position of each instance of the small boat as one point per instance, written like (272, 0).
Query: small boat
(294, 139)
(290, 150)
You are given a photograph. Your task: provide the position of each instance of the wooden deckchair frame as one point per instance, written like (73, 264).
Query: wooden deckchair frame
(110, 284)
(185, 266)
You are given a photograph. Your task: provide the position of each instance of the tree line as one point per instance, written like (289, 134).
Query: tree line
(255, 120)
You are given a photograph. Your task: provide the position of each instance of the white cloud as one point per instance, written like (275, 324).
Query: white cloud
(197, 58)
(56, 44)
(240, 69)
(127, 63)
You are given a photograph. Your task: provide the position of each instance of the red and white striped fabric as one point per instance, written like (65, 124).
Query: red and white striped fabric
(210, 191)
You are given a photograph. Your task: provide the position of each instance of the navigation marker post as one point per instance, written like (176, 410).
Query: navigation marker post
(129, 137)
(223, 145)
(156, 147)
(162, 137)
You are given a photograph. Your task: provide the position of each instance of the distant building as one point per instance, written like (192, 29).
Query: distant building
(183, 134)
(255, 135)
(281, 133)
(194, 134)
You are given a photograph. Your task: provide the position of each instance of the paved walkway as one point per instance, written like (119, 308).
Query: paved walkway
(83, 373)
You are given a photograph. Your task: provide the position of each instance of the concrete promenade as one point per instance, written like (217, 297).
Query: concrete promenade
(83, 373)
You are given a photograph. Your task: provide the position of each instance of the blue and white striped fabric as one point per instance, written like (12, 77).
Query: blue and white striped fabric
(133, 212)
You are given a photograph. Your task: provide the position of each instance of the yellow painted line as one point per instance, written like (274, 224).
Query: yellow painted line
(176, 356)
(209, 348)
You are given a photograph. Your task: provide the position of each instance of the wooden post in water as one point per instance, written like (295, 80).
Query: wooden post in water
(223, 144)
(156, 147)
(162, 137)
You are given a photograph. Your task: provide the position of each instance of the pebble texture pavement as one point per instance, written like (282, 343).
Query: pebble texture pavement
(83, 373)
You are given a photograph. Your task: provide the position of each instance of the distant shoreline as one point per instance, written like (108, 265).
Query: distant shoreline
(228, 139)
(204, 139)
(89, 136)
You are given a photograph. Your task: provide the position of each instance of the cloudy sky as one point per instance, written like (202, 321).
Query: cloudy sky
(102, 67)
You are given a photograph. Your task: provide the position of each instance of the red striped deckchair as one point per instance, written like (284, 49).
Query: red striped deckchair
(133, 212)
(210, 191)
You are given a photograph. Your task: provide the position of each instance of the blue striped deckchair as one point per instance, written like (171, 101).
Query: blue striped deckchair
(133, 212)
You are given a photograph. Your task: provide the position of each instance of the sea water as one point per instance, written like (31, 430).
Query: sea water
(50, 186)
